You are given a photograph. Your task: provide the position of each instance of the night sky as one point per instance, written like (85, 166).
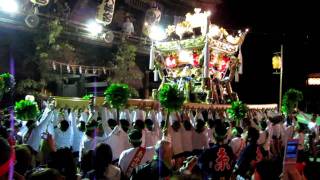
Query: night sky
(272, 23)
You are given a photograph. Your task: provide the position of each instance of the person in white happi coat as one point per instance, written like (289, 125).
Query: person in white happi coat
(132, 157)
(63, 132)
(210, 129)
(124, 120)
(237, 143)
(138, 123)
(187, 132)
(90, 140)
(175, 134)
(200, 135)
(152, 129)
(35, 129)
(79, 128)
(118, 140)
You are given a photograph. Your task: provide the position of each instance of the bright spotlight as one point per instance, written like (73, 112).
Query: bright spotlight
(157, 33)
(94, 28)
(9, 6)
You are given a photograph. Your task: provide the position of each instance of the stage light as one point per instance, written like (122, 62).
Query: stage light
(157, 33)
(94, 28)
(9, 6)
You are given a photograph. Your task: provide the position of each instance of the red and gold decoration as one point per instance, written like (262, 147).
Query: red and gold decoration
(196, 50)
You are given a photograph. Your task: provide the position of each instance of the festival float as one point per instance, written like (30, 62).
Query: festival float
(198, 57)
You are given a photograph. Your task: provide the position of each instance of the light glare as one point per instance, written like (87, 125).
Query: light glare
(94, 28)
(9, 6)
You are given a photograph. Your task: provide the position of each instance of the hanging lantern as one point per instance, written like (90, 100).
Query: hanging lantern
(54, 67)
(151, 60)
(86, 71)
(80, 70)
(155, 75)
(276, 62)
(104, 70)
(94, 71)
(68, 68)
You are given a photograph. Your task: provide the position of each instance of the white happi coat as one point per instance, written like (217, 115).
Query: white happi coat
(151, 137)
(176, 140)
(118, 141)
(65, 139)
(200, 140)
(43, 125)
(127, 155)
(237, 144)
(187, 140)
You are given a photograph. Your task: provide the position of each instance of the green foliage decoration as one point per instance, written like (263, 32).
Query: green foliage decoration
(117, 95)
(290, 100)
(26, 110)
(87, 96)
(9, 82)
(237, 111)
(170, 97)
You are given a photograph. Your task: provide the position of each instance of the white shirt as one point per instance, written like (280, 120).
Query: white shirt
(45, 121)
(187, 140)
(77, 137)
(200, 140)
(63, 139)
(262, 137)
(210, 135)
(118, 141)
(127, 27)
(151, 138)
(127, 155)
(113, 172)
(176, 140)
(237, 144)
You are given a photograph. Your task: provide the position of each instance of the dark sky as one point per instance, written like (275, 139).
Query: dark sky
(272, 23)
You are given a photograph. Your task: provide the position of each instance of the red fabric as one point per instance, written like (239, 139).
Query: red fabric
(4, 168)
(300, 166)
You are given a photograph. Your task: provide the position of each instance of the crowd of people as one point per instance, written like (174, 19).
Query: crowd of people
(81, 144)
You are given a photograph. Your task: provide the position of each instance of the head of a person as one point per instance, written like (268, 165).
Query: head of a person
(187, 125)
(263, 125)
(86, 164)
(124, 125)
(91, 128)
(45, 173)
(220, 132)
(82, 126)
(112, 123)
(200, 125)
(5, 157)
(62, 160)
(30, 124)
(239, 131)
(149, 124)
(64, 125)
(139, 124)
(176, 125)
(102, 157)
(253, 135)
(162, 124)
(164, 150)
(135, 136)
(23, 159)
